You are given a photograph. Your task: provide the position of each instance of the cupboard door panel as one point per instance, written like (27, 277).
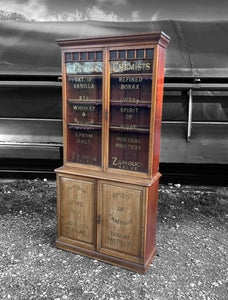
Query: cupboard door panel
(121, 229)
(77, 210)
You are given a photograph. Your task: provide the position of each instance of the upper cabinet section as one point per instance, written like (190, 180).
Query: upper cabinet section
(112, 100)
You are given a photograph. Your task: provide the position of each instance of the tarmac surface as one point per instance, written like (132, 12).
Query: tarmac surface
(192, 260)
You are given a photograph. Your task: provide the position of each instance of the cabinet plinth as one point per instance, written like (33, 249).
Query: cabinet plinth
(107, 189)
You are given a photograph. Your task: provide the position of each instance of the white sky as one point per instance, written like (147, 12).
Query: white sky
(136, 10)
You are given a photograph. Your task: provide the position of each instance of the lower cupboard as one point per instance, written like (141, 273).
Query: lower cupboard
(107, 218)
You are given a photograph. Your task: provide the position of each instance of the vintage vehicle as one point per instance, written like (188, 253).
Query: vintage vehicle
(195, 109)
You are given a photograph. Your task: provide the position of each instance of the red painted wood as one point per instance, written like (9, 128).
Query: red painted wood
(158, 110)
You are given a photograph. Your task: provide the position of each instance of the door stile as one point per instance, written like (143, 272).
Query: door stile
(64, 107)
(97, 216)
(106, 107)
(153, 109)
(144, 225)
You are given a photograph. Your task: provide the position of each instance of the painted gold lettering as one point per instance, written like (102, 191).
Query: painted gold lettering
(120, 146)
(130, 79)
(133, 110)
(126, 164)
(114, 159)
(119, 243)
(127, 127)
(128, 140)
(84, 86)
(129, 100)
(84, 141)
(119, 235)
(84, 158)
(84, 135)
(121, 195)
(129, 86)
(84, 107)
(83, 98)
(129, 117)
(120, 67)
(77, 225)
(119, 221)
(76, 187)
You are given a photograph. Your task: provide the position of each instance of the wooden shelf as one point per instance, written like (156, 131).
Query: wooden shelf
(130, 103)
(129, 128)
(83, 126)
(84, 102)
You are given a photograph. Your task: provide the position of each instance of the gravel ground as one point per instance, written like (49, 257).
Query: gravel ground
(191, 241)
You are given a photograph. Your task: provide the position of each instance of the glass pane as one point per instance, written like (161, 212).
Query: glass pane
(91, 55)
(122, 54)
(130, 53)
(84, 112)
(68, 56)
(99, 55)
(149, 53)
(140, 53)
(75, 56)
(113, 54)
(83, 56)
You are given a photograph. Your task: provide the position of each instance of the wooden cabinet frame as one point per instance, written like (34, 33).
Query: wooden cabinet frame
(108, 185)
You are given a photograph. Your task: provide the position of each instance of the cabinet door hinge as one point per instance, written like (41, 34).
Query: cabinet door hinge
(106, 115)
(99, 219)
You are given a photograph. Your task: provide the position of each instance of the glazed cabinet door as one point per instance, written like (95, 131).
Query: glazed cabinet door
(121, 229)
(83, 107)
(76, 211)
(131, 76)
